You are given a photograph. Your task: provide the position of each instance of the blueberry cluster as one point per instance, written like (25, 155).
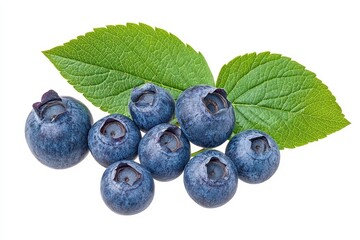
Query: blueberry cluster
(60, 132)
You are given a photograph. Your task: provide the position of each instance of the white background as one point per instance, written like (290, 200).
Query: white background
(313, 195)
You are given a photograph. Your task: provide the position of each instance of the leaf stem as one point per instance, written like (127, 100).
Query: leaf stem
(175, 122)
(199, 151)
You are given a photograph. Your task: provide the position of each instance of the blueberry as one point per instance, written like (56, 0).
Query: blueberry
(210, 178)
(114, 138)
(164, 151)
(255, 154)
(205, 115)
(127, 188)
(56, 130)
(151, 105)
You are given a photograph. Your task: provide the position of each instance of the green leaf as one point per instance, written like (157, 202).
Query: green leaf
(107, 63)
(274, 94)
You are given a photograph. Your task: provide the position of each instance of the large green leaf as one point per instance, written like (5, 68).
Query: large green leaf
(274, 94)
(107, 63)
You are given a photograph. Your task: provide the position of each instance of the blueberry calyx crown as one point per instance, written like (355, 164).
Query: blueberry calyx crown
(113, 129)
(216, 170)
(170, 139)
(124, 173)
(145, 99)
(50, 106)
(144, 96)
(259, 144)
(216, 101)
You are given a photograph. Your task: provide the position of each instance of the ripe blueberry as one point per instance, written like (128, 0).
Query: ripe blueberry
(210, 179)
(151, 105)
(255, 154)
(56, 130)
(205, 115)
(126, 187)
(164, 151)
(113, 138)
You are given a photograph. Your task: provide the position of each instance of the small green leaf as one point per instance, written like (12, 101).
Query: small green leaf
(107, 63)
(274, 94)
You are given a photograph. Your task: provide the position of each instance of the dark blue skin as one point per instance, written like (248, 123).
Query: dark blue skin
(56, 130)
(255, 154)
(210, 178)
(113, 138)
(151, 105)
(127, 187)
(164, 151)
(205, 115)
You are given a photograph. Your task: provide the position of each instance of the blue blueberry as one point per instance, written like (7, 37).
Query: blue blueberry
(210, 178)
(114, 138)
(255, 154)
(127, 188)
(56, 130)
(164, 151)
(151, 105)
(205, 115)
